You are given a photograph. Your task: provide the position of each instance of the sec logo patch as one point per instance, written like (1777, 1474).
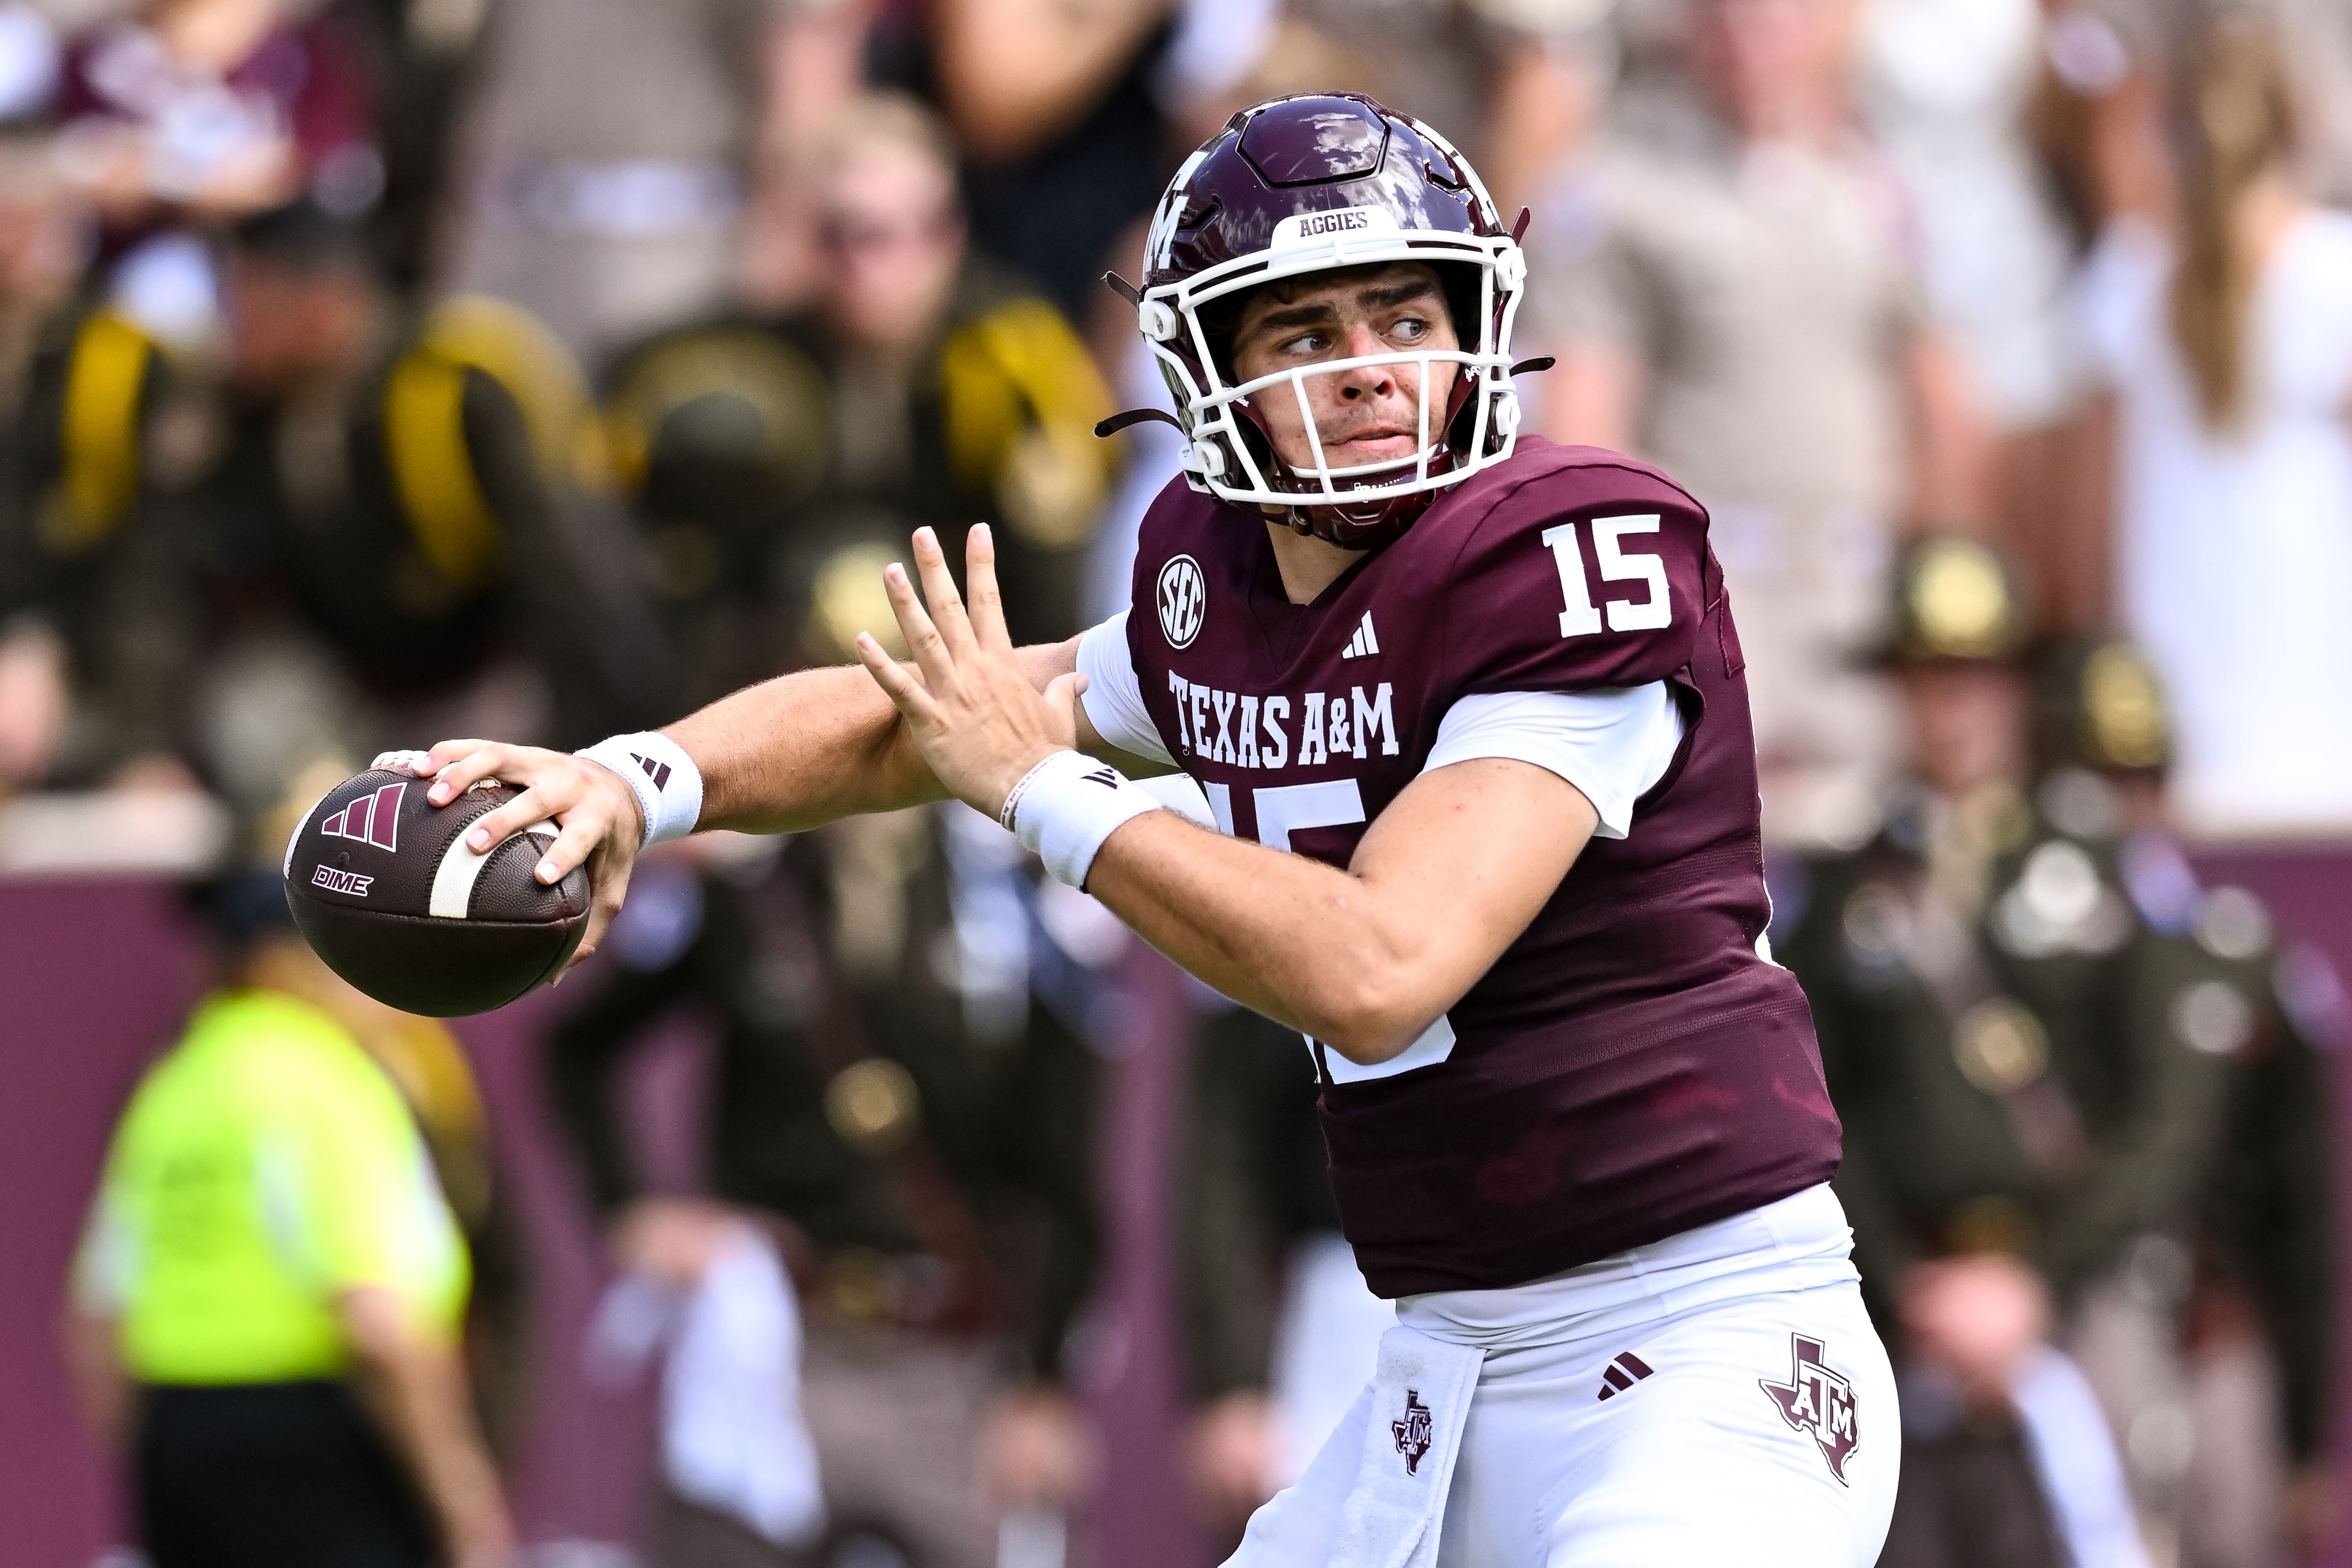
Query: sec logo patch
(1183, 601)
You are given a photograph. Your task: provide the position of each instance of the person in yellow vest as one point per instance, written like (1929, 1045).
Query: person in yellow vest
(266, 1304)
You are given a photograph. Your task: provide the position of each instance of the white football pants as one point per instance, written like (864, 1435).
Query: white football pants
(1716, 1398)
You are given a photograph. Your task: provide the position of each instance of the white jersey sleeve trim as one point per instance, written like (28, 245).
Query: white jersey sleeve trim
(1114, 697)
(1614, 745)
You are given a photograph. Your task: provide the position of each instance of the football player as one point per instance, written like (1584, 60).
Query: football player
(1469, 712)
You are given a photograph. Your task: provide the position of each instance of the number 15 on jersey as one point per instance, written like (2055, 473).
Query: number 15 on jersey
(1618, 564)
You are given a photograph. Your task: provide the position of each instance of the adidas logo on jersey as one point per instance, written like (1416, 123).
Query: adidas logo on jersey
(1364, 643)
(371, 819)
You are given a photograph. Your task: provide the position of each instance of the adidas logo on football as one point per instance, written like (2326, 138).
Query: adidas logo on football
(657, 772)
(1364, 643)
(371, 819)
(1622, 1374)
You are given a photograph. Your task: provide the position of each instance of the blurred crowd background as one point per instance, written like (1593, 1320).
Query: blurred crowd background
(375, 372)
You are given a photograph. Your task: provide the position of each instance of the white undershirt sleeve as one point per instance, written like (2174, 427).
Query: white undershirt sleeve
(1114, 698)
(1614, 745)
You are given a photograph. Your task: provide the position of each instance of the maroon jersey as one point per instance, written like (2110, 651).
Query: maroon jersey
(1629, 1068)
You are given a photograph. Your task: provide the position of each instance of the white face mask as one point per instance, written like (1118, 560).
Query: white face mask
(1221, 459)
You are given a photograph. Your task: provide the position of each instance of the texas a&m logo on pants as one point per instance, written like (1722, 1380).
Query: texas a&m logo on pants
(1414, 1433)
(1819, 1402)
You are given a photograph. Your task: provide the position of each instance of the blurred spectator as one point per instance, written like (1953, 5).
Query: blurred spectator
(606, 147)
(1744, 312)
(904, 1082)
(1056, 108)
(1943, 87)
(2218, 1371)
(368, 530)
(421, 55)
(41, 253)
(31, 55)
(2018, 1119)
(266, 1304)
(189, 113)
(2317, 36)
(778, 463)
(96, 402)
(2226, 330)
(1280, 1331)
(707, 1288)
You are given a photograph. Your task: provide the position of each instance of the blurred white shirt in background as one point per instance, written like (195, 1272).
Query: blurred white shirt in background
(2234, 550)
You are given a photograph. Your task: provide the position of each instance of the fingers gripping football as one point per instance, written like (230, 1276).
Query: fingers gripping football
(598, 817)
(979, 723)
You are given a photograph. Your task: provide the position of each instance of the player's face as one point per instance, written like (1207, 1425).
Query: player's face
(290, 327)
(892, 241)
(1967, 724)
(1769, 63)
(1370, 414)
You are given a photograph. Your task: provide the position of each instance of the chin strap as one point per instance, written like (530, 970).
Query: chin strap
(1134, 416)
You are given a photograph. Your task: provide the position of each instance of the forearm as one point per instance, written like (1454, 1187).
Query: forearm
(1951, 458)
(99, 1387)
(1302, 942)
(805, 750)
(1017, 72)
(417, 1391)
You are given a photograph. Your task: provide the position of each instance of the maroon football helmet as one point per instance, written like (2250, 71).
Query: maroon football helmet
(1306, 184)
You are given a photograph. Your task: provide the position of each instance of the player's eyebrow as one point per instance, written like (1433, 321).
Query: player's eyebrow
(1292, 316)
(1385, 295)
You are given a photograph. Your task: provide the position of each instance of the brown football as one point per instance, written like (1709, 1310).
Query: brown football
(385, 890)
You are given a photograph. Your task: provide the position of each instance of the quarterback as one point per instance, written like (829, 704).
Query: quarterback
(1469, 712)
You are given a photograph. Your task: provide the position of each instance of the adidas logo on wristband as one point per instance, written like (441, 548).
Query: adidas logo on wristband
(650, 764)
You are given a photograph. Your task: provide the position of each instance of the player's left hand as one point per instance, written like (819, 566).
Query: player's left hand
(974, 716)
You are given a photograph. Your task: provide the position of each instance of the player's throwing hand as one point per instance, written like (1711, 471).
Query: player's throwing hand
(979, 723)
(598, 819)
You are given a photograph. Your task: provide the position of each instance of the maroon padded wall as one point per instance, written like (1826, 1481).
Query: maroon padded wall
(94, 979)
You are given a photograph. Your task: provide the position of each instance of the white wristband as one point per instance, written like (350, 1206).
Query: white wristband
(667, 784)
(1065, 807)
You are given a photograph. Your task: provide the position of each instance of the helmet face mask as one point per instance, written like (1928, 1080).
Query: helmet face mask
(1309, 185)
